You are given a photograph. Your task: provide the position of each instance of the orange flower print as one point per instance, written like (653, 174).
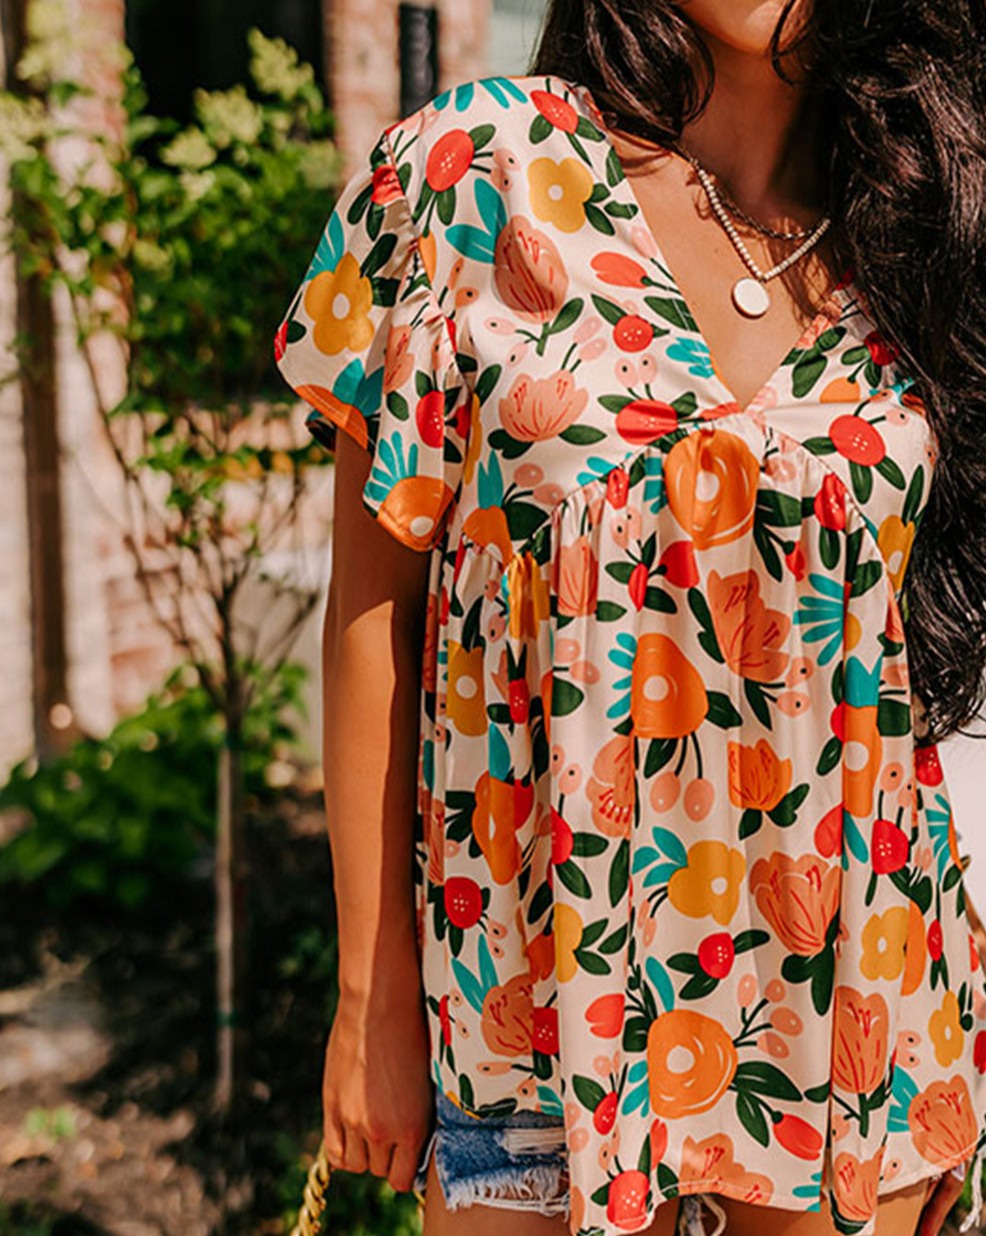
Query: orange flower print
(711, 477)
(709, 883)
(618, 269)
(942, 1122)
(862, 762)
(798, 897)
(855, 1185)
(884, 939)
(691, 1061)
(860, 1041)
(528, 273)
(465, 704)
(667, 694)
(945, 1030)
(575, 578)
(750, 634)
(339, 303)
(758, 778)
(508, 1017)
(895, 539)
(710, 1162)
(610, 789)
(528, 594)
(502, 807)
(535, 409)
(559, 190)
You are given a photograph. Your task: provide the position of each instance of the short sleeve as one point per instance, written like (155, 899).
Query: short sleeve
(367, 345)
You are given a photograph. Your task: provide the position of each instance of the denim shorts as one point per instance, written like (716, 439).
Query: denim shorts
(516, 1162)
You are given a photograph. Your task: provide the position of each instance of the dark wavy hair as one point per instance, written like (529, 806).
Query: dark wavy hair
(901, 90)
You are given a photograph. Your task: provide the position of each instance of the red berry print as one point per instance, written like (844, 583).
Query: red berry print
(637, 584)
(449, 159)
(798, 1137)
(979, 1051)
(890, 848)
(386, 184)
(830, 503)
(857, 440)
(562, 838)
(546, 1031)
(556, 111)
(642, 420)
(626, 1206)
(604, 1117)
(927, 765)
(429, 416)
(617, 487)
(632, 333)
(935, 941)
(520, 699)
(463, 901)
(716, 954)
(882, 351)
(678, 561)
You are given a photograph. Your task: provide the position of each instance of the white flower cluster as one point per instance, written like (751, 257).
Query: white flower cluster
(190, 149)
(51, 38)
(274, 67)
(321, 164)
(22, 123)
(228, 116)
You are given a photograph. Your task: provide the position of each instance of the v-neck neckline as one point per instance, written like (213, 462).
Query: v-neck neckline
(830, 313)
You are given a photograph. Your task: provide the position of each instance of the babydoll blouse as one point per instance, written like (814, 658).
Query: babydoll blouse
(684, 876)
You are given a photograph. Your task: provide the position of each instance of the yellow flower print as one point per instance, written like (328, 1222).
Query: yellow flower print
(466, 702)
(529, 597)
(895, 539)
(884, 938)
(946, 1030)
(568, 937)
(339, 303)
(558, 191)
(709, 883)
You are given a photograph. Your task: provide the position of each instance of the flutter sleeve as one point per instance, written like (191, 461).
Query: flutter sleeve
(367, 345)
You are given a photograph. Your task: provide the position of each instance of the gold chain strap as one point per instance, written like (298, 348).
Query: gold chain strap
(313, 1200)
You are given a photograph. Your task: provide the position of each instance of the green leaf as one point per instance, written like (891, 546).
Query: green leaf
(609, 611)
(751, 822)
(587, 845)
(582, 435)
(757, 701)
(619, 873)
(565, 697)
(588, 1092)
(893, 718)
(807, 370)
(574, 879)
(762, 1077)
(674, 310)
(750, 1111)
(722, 711)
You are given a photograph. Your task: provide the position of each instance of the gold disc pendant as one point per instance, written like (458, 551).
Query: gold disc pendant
(750, 297)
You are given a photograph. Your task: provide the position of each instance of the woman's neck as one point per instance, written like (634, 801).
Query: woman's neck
(758, 134)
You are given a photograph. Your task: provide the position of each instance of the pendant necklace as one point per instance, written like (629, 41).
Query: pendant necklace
(749, 293)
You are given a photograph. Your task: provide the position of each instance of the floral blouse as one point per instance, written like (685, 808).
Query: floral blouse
(685, 878)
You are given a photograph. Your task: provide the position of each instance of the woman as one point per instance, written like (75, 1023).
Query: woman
(685, 905)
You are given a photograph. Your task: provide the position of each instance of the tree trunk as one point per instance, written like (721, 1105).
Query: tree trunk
(231, 928)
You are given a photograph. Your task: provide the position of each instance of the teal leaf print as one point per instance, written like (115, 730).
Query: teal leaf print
(470, 986)
(661, 981)
(391, 465)
(693, 353)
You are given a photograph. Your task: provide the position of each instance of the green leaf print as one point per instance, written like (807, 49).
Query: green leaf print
(673, 310)
(565, 697)
(762, 1077)
(619, 873)
(893, 718)
(890, 471)
(722, 711)
(588, 1092)
(750, 1111)
(862, 480)
(596, 218)
(582, 435)
(807, 370)
(574, 879)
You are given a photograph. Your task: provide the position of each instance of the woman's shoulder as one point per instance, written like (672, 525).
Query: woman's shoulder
(470, 132)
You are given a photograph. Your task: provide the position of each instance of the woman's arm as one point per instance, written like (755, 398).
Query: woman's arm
(376, 1091)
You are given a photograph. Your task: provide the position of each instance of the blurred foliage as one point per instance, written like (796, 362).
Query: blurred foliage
(119, 819)
(355, 1205)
